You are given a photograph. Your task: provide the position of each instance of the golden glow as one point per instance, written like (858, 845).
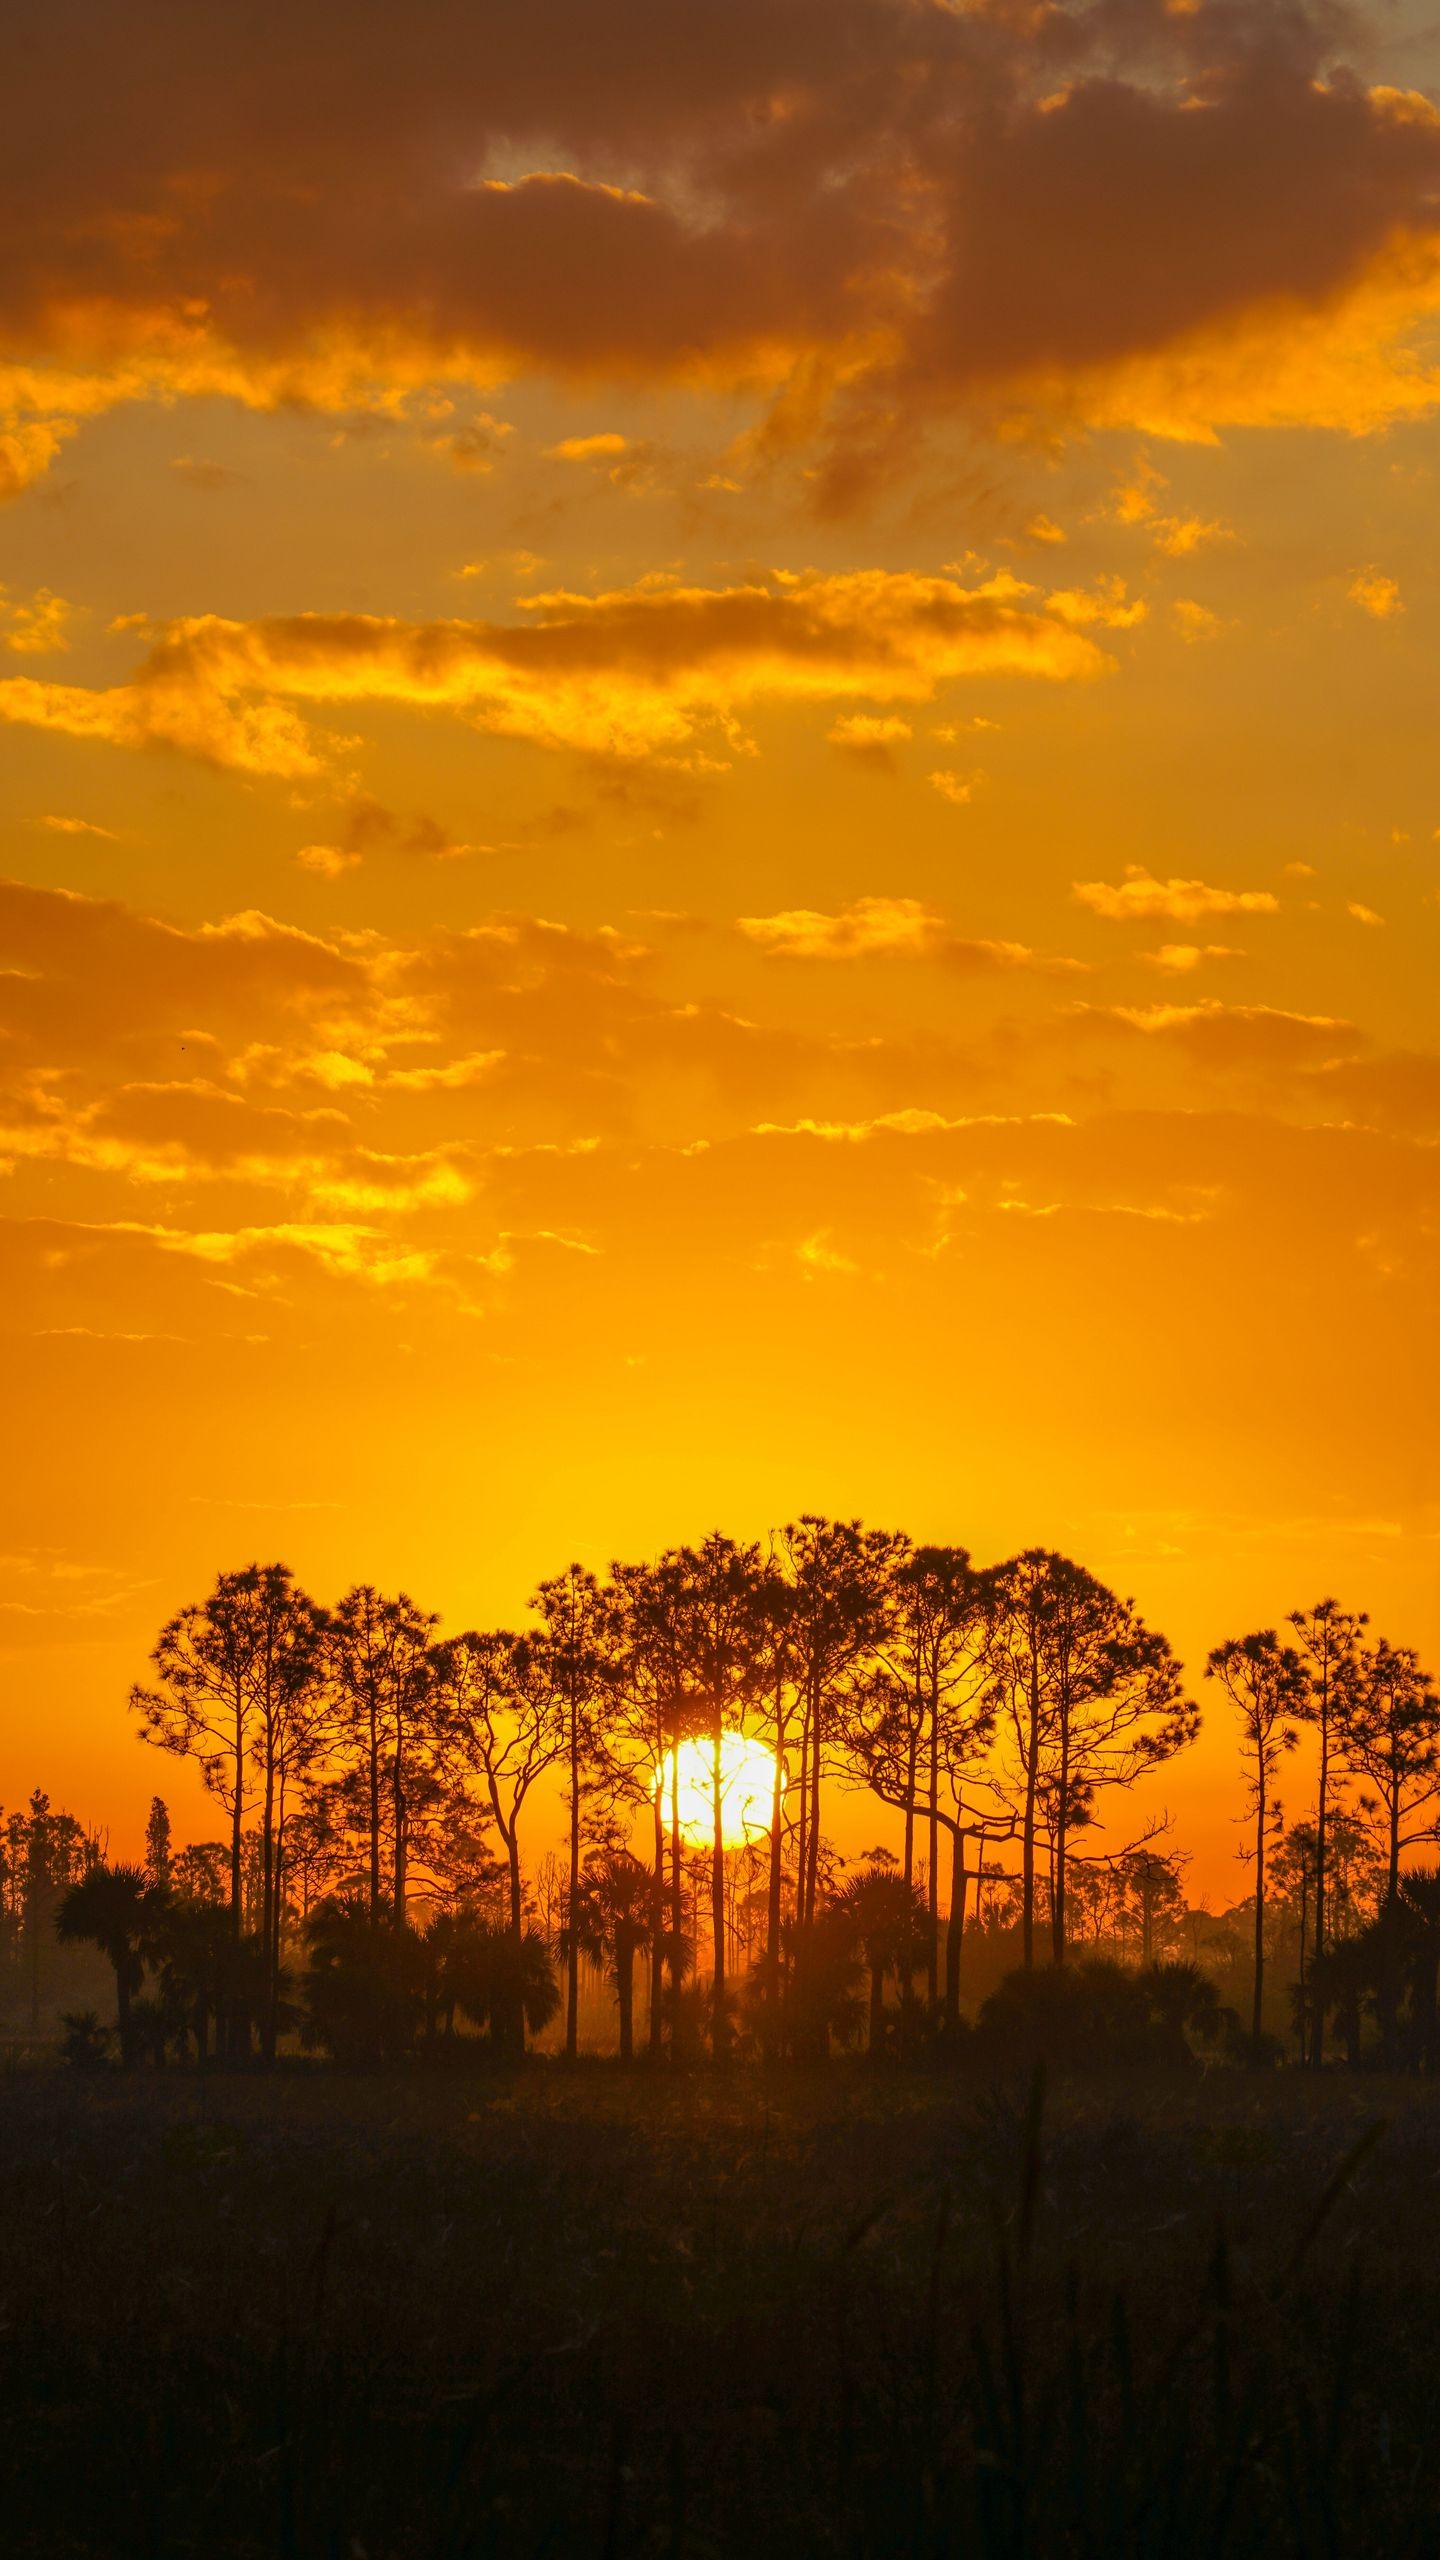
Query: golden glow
(747, 1789)
(695, 829)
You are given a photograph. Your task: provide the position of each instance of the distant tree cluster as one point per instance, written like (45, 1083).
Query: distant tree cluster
(378, 1782)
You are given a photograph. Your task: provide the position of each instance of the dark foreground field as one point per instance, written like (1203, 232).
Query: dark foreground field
(585, 2313)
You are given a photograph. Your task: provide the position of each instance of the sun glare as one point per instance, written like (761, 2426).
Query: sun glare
(747, 1788)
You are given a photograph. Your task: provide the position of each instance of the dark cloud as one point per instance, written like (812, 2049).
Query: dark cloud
(936, 201)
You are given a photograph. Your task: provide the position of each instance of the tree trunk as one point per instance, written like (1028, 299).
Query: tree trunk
(720, 2034)
(677, 1885)
(877, 2010)
(1259, 1910)
(955, 1928)
(1027, 1846)
(374, 1816)
(802, 1833)
(268, 1930)
(572, 1968)
(1322, 1815)
(625, 1988)
(657, 1919)
(776, 1887)
(1062, 1836)
(237, 1917)
(932, 1880)
(812, 1879)
(399, 1815)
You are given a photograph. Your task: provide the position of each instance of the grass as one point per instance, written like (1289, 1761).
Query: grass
(325, 2318)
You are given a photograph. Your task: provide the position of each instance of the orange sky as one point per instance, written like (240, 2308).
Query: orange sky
(718, 797)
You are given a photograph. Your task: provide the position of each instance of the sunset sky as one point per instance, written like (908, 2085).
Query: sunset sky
(719, 796)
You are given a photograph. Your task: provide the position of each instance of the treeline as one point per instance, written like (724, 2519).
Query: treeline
(378, 1782)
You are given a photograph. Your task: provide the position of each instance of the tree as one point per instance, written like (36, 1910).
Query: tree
(381, 1680)
(502, 1732)
(157, 1842)
(42, 1853)
(285, 1676)
(1328, 1635)
(506, 1984)
(880, 1728)
(1266, 1683)
(642, 1736)
(838, 1573)
(204, 1974)
(777, 1706)
(115, 1909)
(1389, 1718)
(571, 1652)
(1149, 1883)
(204, 1705)
(365, 1987)
(611, 1918)
(712, 1597)
(888, 1918)
(1093, 1700)
(933, 1643)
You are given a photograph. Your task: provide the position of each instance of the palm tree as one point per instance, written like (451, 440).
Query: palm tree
(614, 1919)
(116, 1910)
(506, 1984)
(365, 1987)
(1185, 2003)
(889, 1919)
(204, 1972)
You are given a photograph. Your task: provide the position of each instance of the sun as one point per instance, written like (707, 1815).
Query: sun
(747, 1785)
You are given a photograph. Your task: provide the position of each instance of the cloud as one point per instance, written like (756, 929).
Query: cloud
(1181, 959)
(632, 673)
(871, 738)
(1375, 594)
(329, 861)
(1177, 901)
(1192, 621)
(1362, 915)
(597, 448)
(865, 927)
(957, 788)
(1232, 1035)
(35, 626)
(79, 827)
(871, 213)
(892, 928)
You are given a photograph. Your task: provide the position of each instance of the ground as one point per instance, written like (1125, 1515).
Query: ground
(584, 2312)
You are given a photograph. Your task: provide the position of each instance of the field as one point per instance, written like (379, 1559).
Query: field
(329, 2318)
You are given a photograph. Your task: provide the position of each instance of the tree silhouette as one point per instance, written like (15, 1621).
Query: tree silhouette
(114, 1909)
(838, 1572)
(1092, 1699)
(571, 1653)
(498, 1713)
(640, 1737)
(610, 1921)
(506, 1984)
(1389, 1716)
(1267, 1685)
(378, 1657)
(157, 1842)
(1328, 1635)
(934, 1646)
(888, 1918)
(204, 1705)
